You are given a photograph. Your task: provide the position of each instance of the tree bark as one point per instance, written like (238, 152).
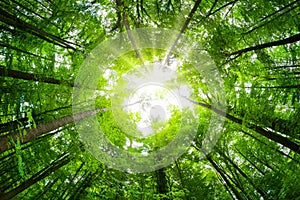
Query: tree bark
(288, 40)
(268, 134)
(181, 179)
(277, 87)
(13, 125)
(85, 183)
(32, 77)
(224, 6)
(32, 133)
(62, 196)
(284, 66)
(46, 189)
(29, 144)
(279, 10)
(30, 11)
(277, 17)
(62, 161)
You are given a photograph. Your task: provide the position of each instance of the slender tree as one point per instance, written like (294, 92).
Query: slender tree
(269, 134)
(32, 77)
(222, 174)
(162, 187)
(289, 40)
(62, 161)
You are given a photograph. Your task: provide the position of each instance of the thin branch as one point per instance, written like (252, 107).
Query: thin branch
(267, 22)
(224, 6)
(21, 50)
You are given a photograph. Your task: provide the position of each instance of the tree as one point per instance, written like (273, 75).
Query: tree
(254, 45)
(63, 160)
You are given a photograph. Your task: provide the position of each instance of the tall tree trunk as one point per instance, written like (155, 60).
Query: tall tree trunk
(121, 10)
(288, 40)
(252, 163)
(182, 30)
(32, 133)
(211, 8)
(162, 187)
(62, 161)
(32, 77)
(268, 134)
(46, 189)
(29, 144)
(31, 11)
(265, 163)
(276, 87)
(181, 179)
(62, 195)
(235, 180)
(79, 185)
(86, 181)
(260, 191)
(18, 23)
(23, 122)
(283, 67)
(262, 142)
(222, 174)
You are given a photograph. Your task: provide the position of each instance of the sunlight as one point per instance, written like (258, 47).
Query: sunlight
(156, 106)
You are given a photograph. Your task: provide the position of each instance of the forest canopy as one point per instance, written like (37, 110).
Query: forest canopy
(149, 99)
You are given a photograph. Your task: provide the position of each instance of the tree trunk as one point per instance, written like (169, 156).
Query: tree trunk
(268, 134)
(63, 160)
(13, 125)
(283, 67)
(32, 77)
(15, 22)
(121, 9)
(224, 6)
(279, 10)
(252, 163)
(62, 196)
(262, 142)
(32, 133)
(261, 192)
(277, 17)
(181, 179)
(161, 182)
(182, 30)
(46, 189)
(288, 40)
(221, 173)
(85, 183)
(276, 87)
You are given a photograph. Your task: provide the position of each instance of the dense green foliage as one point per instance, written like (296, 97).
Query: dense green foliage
(255, 46)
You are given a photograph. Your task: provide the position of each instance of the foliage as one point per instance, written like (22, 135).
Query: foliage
(250, 44)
